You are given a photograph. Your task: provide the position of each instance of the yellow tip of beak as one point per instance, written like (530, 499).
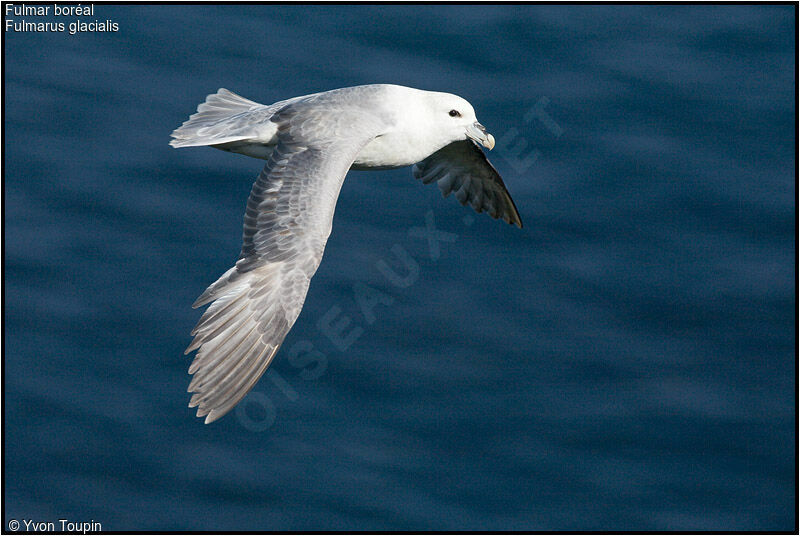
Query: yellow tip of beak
(489, 141)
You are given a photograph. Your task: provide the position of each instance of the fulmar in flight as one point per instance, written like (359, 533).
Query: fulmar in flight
(310, 143)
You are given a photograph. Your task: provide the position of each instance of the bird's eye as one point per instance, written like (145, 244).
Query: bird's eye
(455, 113)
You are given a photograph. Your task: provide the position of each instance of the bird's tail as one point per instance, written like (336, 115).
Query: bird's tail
(215, 121)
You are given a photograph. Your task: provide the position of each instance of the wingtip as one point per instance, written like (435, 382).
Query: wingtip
(514, 217)
(510, 218)
(213, 416)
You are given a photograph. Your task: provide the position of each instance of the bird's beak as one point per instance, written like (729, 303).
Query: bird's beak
(477, 132)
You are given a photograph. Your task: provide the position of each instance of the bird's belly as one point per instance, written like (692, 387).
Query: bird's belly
(384, 152)
(388, 152)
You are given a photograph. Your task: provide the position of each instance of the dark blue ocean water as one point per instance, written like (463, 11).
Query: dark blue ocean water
(624, 362)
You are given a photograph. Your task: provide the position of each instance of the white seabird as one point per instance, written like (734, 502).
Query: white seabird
(310, 143)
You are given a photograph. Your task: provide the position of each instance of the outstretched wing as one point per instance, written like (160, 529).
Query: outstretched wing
(463, 168)
(286, 225)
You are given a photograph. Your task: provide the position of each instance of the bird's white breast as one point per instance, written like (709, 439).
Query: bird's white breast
(398, 148)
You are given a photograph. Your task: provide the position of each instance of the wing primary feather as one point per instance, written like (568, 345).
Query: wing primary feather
(245, 388)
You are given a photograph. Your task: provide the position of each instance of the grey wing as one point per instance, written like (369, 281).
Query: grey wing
(463, 169)
(286, 225)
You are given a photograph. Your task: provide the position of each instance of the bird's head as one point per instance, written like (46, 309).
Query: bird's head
(454, 120)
